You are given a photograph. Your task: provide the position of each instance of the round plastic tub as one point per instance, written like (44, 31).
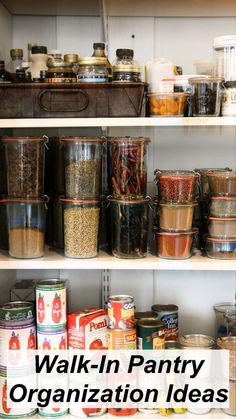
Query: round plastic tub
(82, 158)
(129, 227)
(81, 225)
(127, 166)
(221, 249)
(206, 96)
(222, 183)
(176, 217)
(175, 245)
(224, 228)
(176, 185)
(26, 227)
(223, 206)
(167, 104)
(25, 158)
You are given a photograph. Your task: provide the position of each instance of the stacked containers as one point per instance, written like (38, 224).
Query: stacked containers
(129, 209)
(229, 343)
(26, 210)
(121, 333)
(82, 162)
(51, 329)
(221, 241)
(176, 193)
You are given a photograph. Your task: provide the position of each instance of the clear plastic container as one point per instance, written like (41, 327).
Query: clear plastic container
(168, 104)
(81, 227)
(93, 70)
(82, 159)
(176, 217)
(176, 185)
(129, 227)
(225, 57)
(125, 69)
(26, 227)
(127, 166)
(197, 341)
(221, 249)
(222, 206)
(25, 158)
(3, 223)
(224, 228)
(175, 245)
(229, 343)
(230, 317)
(222, 183)
(206, 99)
(221, 325)
(204, 189)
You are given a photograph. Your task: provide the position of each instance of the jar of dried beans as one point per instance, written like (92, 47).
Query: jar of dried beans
(81, 227)
(82, 159)
(176, 185)
(127, 166)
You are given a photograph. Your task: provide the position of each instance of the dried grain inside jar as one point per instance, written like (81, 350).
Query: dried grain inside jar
(82, 160)
(26, 227)
(81, 227)
(222, 183)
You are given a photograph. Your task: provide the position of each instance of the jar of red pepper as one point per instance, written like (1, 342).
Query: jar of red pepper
(127, 166)
(176, 185)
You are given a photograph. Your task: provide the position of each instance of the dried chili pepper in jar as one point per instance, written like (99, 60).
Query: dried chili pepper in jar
(176, 185)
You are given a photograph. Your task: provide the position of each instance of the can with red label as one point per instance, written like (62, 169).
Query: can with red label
(54, 382)
(168, 314)
(51, 304)
(84, 412)
(122, 339)
(121, 412)
(121, 312)
(52, 339)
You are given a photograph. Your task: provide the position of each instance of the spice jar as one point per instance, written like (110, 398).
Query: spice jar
(221, 248)
(25, 158)
(39, 58)
(3, 224)
(60, 71)
(72, 59)
(26, 227)
(224, 228)
(222, 183)
(99, 51)
(82, 159)
(220, 310)
(129, 227)
(204, 189)
(230, 317)
(127, 166)
(175, 245)
(176, 185)
(81, 227)
(176, 217)
(206, 96)
(229, 343)
(93, 70)
(125, 69)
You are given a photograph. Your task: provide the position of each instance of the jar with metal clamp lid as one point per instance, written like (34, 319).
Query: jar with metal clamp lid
(93, 70)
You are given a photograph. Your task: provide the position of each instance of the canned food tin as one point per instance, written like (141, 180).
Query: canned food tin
(51, 304)
(54, 382)
(168, 314)
(121, 312)
(121, 339)
(52, 339)
(151, 334)
(87, 412)
(17, 312)
(14, 343)
(121, 412)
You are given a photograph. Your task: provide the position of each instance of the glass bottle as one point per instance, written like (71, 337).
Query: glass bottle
(5, 76)
(16, 60)
(99, 51)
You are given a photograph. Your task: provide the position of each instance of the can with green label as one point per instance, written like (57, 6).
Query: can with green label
(17, 312)
(150, 333)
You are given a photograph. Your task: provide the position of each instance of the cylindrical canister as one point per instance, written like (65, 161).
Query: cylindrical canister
(52, 339)
(168, 314)
(17, 312)
(51, 304)
(54, 382)
(150, 334)
(85, 412)
(121, 339)
(121, 312)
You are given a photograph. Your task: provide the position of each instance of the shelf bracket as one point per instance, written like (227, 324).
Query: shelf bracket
(105, 286)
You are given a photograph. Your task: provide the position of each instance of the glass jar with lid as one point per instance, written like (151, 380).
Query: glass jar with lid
(16, 60)
(61, 74)
(225, 57)
(125, 69)
(99, 51)
(93, 70)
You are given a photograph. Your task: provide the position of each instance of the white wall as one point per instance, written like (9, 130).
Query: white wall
(5, 33)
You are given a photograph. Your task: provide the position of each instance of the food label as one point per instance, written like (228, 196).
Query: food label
(9, 412)
(86, 412)
(121, 314)
(121, 339)
(167, 85)
(52, 341)
(51, 307)
(171, 325)
(229, 102)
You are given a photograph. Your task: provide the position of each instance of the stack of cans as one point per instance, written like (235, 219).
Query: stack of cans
(17, 336)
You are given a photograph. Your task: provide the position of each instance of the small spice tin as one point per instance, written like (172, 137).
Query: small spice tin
(121, 339)
(197, 341)
(221, 249)
(51, 304)
(222, 183)
(52, 339)
(176, 185)
(17, 312)
(120, 312)
(87, 412)
(175, 245)
(150, 334)
(168, 314)
(176, 217)
(229, 99)
(222, 206)
(229, 343)
(224, 228)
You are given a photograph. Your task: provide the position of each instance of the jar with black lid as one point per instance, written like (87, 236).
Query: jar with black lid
(125, 69)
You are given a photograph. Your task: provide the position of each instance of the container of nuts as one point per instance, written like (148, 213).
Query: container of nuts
(81, 227)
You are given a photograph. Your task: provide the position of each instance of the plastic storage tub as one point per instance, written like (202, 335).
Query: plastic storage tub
(26, 227)
(82, 157)
(176, 217)
(225, 57)
(176, 185)
(222, 183)
(224, 228)
(223, 206)
(25, 158)
(206, 98)
(167, 104)
(129, 227)
(221, 249)
(175, 245)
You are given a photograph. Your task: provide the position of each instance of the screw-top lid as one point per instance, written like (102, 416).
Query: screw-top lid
(99, 45)
(39, 50)
(224, 41)
(71, 58)
(121, 53)
(16, 53)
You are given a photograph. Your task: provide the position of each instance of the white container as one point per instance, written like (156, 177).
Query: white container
(157, 74)
(51, 304)
(229, 99)
(39, 59)
(225, 57)
(199, 411)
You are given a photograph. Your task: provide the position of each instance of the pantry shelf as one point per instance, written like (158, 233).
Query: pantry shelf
(55, 260)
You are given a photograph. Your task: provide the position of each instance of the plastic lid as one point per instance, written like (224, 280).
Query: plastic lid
(84, 139)
(39, 50)
(224, 41)
(183, 233)
(124, 52)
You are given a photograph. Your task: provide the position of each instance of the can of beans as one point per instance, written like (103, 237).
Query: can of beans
(51, 304)
(121, 312)
(85, 412)
(168, 314)
(52, 339)
(150, 334)
(121, 412)
(17, 312)
(121, 339)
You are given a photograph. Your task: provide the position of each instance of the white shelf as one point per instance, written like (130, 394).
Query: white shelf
(55, 260)
(117, 122)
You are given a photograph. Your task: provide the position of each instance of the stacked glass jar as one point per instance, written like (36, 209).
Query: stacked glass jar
(221, 241)
(128, 205)
(176, 194)
(82, 164)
